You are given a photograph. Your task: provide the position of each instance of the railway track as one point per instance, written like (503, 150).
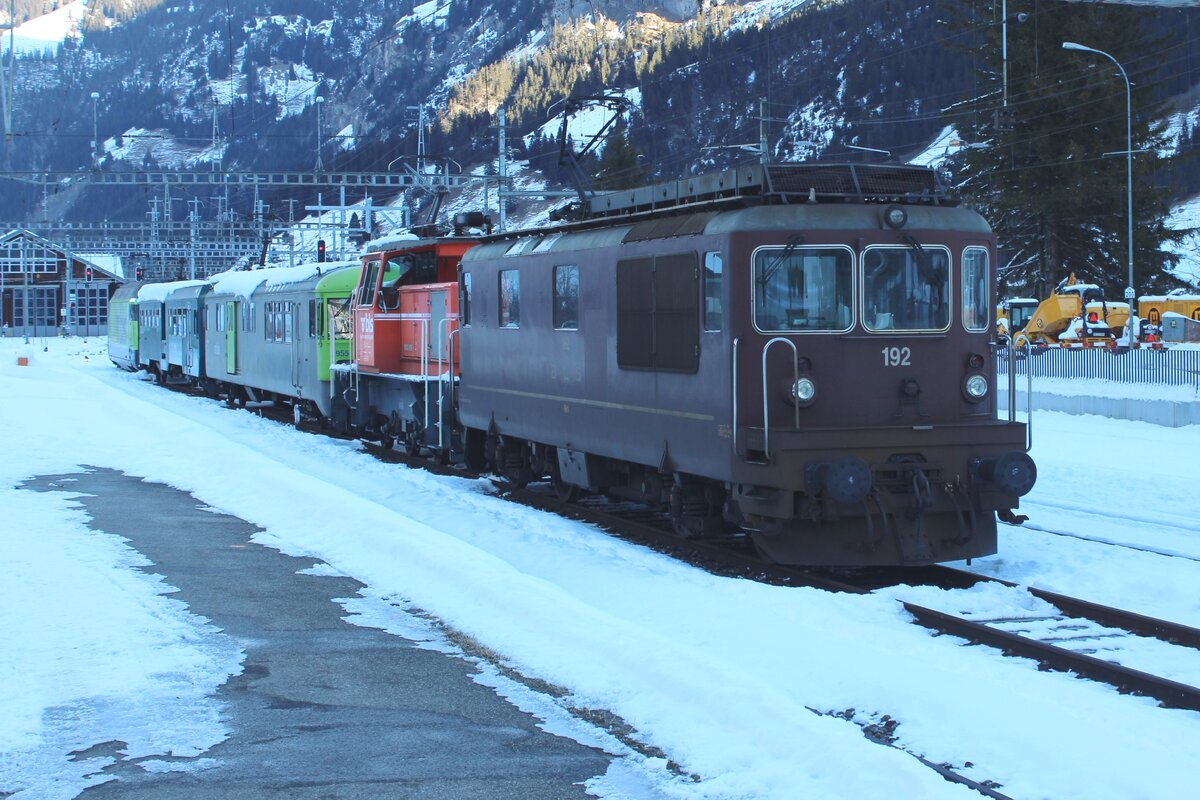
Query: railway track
(1158, 551)
(1079, 636)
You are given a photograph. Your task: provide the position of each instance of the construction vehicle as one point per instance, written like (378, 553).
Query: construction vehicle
(1012, 315)
(1074, 314)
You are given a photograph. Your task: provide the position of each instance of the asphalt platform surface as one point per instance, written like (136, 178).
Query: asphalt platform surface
(324, 708)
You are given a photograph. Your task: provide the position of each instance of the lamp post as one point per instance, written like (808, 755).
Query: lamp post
(95, 130)
(319, 101)
(1129, 293)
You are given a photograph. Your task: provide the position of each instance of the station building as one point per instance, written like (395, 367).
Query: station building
(47, 290)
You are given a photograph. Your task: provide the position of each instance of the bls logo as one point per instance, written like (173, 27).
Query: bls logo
(366, 325)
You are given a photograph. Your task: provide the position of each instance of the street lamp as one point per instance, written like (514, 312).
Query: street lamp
(319, 101)
(95, 131)
(1129, 293)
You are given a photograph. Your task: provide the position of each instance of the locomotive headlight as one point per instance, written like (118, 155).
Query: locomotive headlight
(803, 391)
(895, 216)
(975, 387)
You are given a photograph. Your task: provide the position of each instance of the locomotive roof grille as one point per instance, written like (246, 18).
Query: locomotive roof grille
(781, 183)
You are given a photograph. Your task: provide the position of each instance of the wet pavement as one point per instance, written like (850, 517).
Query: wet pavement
(324, 708)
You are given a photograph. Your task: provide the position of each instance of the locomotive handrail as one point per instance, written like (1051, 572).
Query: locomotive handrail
(425, 367)
(1012, 396)
(766, 405)
(449, 339)
(735, 394)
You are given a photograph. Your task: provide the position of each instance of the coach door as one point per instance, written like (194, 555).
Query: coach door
(231, 363)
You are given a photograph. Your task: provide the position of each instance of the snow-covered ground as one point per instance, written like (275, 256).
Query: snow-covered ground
(735, 681)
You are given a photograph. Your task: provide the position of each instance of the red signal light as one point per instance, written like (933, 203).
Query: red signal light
(321, 250)
(87, 274)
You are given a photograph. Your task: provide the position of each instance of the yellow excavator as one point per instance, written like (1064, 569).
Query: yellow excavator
(1075, 313)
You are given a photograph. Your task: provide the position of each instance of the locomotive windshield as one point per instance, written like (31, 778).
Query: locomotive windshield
(906, 288)
(803, 289)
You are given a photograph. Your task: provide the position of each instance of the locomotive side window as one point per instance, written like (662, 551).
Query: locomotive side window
(975, 289)
(566, 298)
(658, 313)
(804, 289)
(906, 288)
(510, 298)
(713, 277)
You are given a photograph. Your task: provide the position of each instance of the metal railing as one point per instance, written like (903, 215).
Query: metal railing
(1169, 367)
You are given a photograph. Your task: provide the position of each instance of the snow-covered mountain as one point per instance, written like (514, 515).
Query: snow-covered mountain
(183, 84)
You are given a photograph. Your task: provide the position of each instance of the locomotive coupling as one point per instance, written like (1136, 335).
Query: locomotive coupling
(846, 480)
(1013, 473)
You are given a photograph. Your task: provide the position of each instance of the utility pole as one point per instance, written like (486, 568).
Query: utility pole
(216, 160)
(7, 71)
(193, 218)
(291, 233)
(503, 188)
(762, 131)
(420, 137)
(320, 101)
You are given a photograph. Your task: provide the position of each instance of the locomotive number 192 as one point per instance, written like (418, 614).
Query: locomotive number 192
(897, 357)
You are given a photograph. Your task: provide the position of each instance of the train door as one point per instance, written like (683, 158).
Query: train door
(438, 330)
(298, 347)
(231, 361)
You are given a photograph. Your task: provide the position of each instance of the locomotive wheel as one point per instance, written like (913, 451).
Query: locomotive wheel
(386, 440)
(511, 463)
(565, 492)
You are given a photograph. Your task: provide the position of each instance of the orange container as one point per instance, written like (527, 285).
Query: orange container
(22, 361)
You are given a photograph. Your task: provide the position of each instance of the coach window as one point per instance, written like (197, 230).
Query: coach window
(510, 298)
(906, 288)
(975, 289)
(220, 317)
(803, 289)
(713, 278)
(464, 300)
(566, 298)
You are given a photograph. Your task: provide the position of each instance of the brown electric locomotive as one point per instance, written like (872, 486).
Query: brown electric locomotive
(801, 351)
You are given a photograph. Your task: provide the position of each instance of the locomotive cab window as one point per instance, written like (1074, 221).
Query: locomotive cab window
(566, 298)
(906, 288)
(464, 299)
(366, 289)
(510, 298)
(975, 289)
(713, 278)
(803, 289)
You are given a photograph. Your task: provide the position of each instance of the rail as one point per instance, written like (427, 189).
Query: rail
(766, 404)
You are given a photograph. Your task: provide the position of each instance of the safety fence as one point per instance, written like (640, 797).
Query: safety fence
(1172, 367)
